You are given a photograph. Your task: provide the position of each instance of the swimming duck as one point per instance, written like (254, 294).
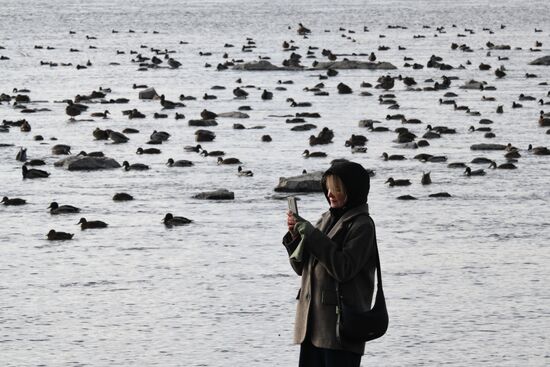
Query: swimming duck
(538, 150)
(503, 166)
(21, 156)
(85, 224)
(481, 160)
(293, 103)
(228, 161)
(190, 148)
(169, 220)
(100, 134)
(159, 135)
(59, 236)
(307, 154)
(477, 172)
(140, 150)
(13, 202)
(61, 149)
(240, 93)
(116, 137)
(33, 173)
(169, 104)
(101, 114)
(426, 179)
(302, 31)
(241, 172)
(214, 153)
(134, 167)
(266, 95)
(400, 182)
(208, 115)
(393, 157)
(174, 64)
(55, 208)
(122, 196)
(179, 163)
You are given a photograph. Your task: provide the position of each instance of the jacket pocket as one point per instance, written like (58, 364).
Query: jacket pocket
(328, 297)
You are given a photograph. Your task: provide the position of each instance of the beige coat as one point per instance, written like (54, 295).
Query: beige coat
(344, 255)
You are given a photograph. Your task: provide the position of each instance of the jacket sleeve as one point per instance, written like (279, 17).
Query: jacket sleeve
(290, 244)
(345, 262)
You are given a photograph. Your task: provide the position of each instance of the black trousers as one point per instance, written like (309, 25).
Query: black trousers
(311, 356)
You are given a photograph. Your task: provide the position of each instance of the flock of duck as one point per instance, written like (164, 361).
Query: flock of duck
(78, 106)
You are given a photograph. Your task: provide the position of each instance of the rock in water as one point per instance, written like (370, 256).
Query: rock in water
(309, 182)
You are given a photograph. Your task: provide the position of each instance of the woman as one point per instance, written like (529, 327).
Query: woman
(339, 249)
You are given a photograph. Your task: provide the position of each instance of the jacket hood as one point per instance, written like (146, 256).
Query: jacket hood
(356, 180)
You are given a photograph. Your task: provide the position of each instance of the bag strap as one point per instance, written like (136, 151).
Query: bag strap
(339, 294)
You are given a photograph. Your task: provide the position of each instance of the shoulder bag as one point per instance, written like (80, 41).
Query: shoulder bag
(361, 326)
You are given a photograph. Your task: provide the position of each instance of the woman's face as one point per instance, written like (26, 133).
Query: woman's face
(336, 192)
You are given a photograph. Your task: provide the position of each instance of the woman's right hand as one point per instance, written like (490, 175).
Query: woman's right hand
(291, 221)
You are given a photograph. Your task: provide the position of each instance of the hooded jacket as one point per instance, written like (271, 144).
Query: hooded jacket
(340, 249)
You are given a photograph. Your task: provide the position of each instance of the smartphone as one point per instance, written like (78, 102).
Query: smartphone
(292, 204)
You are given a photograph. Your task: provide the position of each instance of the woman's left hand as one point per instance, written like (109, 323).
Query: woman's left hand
(302, 226)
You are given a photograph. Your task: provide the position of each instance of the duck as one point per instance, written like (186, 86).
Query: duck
(228, 161)
(85, 224)
(477, 172)
(55, 208)
(400, 182)
(426, 179)
(538, 150)
(266, 95)
(35, 162)
(72, 109)
(293, 103)
(100, 134)
(116, 137)
(208, 115)
(302, 31)
(179, 163)
(160, 135)
(169, 105)
(393, 157)
(134, 167)
(59, 236)
(170, 220)
(208, 96)
(483, 128)
(307, 154)
(507, 165)
(21, 155)
(101, 114)
(135, 114)
(122, 196)
(174, 64)
(193, 148)
(437, 159)
(140, 150)
(240, 93)
(481, 160)
(214, 153)
(241, 172)
(33, 173)
(61, 149)
(13, 202)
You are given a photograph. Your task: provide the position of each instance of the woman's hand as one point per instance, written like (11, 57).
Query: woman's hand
(290, 222)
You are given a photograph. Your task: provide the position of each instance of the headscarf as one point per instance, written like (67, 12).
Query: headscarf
(356, 182)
